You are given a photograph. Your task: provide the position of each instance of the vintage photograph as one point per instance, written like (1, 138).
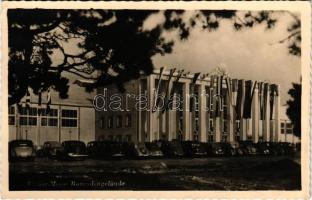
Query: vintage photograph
(154, 99)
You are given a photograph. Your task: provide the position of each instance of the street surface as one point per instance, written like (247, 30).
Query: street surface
(223, 173)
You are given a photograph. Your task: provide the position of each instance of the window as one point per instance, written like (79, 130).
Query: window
(237, 126)
(118, 121)
(128, 120)
(224, 138)
(102, 122)
(237, 138)
(210, 138)
(110, 122)
(49, 119)
(289, 128)
(225, 126)
(69, 118)
(11, 115)
(282, 124)
(211, 125)
(119, 138)
(110, 138)
(28, 116)
(196, 137)
(128, 138)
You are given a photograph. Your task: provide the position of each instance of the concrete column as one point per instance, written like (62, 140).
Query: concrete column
(151, 116)
(231, 121)
(243, 122)
(202, 113)
(169, 118)
(266, 121)
(255, 116)
(139, 113)
(173, 122)
(277, 115)
(186, 111)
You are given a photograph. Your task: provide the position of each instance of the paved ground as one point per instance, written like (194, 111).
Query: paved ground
(230, 173)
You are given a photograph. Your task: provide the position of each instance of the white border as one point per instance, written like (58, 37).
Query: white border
(303, 7)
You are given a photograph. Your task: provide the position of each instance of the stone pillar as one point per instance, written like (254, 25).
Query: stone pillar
(169, 116)
(231, 121)
(186, 111)
(202, 113)
(243, 122)
(173, 122)
(277, 115)
(255, 115)
(266, 121)
(151, 116)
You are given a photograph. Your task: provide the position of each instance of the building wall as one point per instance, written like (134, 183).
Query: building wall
(39, 133)
(103, 116)
(187, 124)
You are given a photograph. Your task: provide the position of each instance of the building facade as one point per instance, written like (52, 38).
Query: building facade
(171, 105)
(69, 119)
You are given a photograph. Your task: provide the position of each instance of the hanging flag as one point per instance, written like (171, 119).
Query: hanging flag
(249, 93)
(174, 89)
(48, 102)
(218, 96)
(156, 101)
(272, 96)
(234, 91)
(27, 100)
(19, 108)
(265, 99)
(192, 92)
(39, 101)
(167, 88)
(239, 101)
(261, 99)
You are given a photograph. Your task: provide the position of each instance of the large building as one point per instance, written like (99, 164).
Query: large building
(68, 119)
(207, 108)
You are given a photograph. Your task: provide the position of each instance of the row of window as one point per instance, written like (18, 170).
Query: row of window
(28, 117)
(108, 122)
(118, 138)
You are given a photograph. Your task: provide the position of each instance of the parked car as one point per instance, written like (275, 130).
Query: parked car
(72, 150)
(154, 149)
(194, 149)
(21, 150)
(94, 149)
(289, 148)
(116, 150)
(264, 148)
(136, 150)
(50, 149)
(215, 149)
(172, 148)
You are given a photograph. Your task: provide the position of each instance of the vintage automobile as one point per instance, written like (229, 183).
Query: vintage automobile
(50, 149)
(154, 149)
(72, 150)
(21, 150)
(194, 149)
(264, 148)
(93, 149)
(135, 150)
(215, 149)
(172, 149)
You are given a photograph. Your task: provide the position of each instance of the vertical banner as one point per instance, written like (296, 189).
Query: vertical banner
(156, 100)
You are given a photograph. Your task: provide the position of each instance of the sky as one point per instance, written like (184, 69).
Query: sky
(251, 54)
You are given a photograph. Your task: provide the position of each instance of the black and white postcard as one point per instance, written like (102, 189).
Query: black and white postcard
(155, 99)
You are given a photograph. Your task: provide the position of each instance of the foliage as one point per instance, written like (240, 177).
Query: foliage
(294, 108)
(114, 46)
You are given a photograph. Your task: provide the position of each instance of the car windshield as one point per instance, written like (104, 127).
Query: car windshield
(154, 147)
(23, 143)
(53, 144)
